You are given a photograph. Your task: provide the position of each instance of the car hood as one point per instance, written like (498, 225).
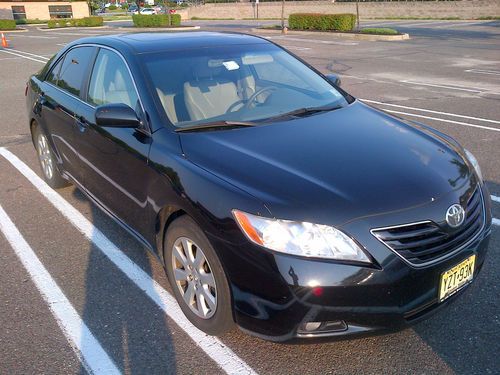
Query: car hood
(333, 167)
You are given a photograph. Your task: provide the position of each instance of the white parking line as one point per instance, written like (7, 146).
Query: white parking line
(213, 347)
(23, 56)
(468, 89)
(29, 54)
(312, 40)
(295, 48)
(83, 342)
(444, 120)
(495, 199)
(496, 222)
(33, 36)
(430, 111)
(76, 34)
(483, 71)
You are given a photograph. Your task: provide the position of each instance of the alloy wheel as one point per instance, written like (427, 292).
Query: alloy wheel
(194, 278)
(45, 156)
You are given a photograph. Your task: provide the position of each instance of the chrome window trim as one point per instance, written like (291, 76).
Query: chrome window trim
(437, 260)
(90, 76)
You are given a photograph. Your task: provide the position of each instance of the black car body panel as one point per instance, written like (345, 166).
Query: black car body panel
(348, 168)
(316, 155)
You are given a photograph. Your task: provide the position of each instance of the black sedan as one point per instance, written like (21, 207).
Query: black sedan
(274, 199)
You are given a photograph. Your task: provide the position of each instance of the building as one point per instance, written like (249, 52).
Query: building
(43, 10)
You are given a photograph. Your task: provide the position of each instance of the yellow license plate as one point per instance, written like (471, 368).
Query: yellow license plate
(456, 277)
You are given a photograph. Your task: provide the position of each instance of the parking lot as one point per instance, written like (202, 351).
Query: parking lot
(78, 294)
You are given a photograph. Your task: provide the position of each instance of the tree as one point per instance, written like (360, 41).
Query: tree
(283, 15)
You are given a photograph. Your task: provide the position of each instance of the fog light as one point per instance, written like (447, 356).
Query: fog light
(312, 326)
(317, 328)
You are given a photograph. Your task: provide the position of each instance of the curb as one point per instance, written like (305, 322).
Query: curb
(13, 31)
(72, 28)
(167, 29)
(369, 37)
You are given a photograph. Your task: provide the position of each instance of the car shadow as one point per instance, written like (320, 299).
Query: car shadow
(466, 334)
(127, 323)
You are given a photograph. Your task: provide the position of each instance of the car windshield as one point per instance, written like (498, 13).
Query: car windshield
(255, 82)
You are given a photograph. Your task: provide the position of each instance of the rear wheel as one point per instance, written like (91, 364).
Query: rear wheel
(197, 278)
(47, 160)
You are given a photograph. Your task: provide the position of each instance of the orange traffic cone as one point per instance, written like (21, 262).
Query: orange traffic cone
(4, 42)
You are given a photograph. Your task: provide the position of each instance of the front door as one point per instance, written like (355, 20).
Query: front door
(114, 160)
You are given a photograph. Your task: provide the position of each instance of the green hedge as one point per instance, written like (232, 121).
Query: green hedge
(7, 24)
(76, 22)
(317, 21)
(379, 31)
(155, 20)
(27, 21)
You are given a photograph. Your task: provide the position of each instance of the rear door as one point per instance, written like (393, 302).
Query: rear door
(60, 100)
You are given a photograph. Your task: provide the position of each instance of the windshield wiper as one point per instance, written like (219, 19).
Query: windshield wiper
(214, 125)
(302, 112)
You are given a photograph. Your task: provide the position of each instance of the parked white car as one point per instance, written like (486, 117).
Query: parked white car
(147, 11)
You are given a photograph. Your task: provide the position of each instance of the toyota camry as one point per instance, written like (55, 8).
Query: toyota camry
(275, 200)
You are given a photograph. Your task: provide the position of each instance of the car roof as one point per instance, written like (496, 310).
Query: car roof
(139, 43)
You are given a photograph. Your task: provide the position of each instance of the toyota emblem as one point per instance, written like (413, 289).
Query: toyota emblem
(455, 216)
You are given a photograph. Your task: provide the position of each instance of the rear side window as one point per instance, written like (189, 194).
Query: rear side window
(111, 82)
(73, 69)
(54, 73)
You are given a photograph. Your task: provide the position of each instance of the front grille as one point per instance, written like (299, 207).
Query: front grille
(424, 242)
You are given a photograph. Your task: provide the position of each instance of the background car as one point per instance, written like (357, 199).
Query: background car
(133, 9)
(159, 9)
(147, 11)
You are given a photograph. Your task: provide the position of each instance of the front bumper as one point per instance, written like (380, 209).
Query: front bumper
(275, 294)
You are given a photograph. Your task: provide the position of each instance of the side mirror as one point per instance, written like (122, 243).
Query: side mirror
(333, 78)
(116, 116)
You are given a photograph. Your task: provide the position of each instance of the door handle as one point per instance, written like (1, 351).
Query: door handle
(39, 103)
(82, 123)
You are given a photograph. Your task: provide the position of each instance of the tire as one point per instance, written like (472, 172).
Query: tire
(47, 160)
(213, 321)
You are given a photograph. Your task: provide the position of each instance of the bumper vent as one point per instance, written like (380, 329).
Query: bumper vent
(425, 242)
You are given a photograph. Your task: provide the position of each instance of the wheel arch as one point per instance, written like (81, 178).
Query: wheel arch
(33, 125)
(166, 216)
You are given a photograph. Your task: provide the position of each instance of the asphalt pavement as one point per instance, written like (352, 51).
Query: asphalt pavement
(79, 295)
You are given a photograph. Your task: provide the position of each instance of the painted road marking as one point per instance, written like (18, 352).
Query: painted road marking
(311, 40)
(86, 346)
(33, 36)
(430, 111)
(295, 48)
(29, 54)
(212, 346)
(468, 89)
(496, 222)
(443, 120)
(76, 34)
(23, 56)
(495, 199)
(484, 71)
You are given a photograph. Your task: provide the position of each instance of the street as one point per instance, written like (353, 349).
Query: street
(100, 288)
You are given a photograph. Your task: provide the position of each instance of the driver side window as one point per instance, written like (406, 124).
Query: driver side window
(111, 82)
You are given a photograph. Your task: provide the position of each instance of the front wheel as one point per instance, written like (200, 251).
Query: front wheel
(47, 160)
(197, 278)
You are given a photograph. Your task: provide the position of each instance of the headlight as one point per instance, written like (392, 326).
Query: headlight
(475, 164)
(299, 238)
